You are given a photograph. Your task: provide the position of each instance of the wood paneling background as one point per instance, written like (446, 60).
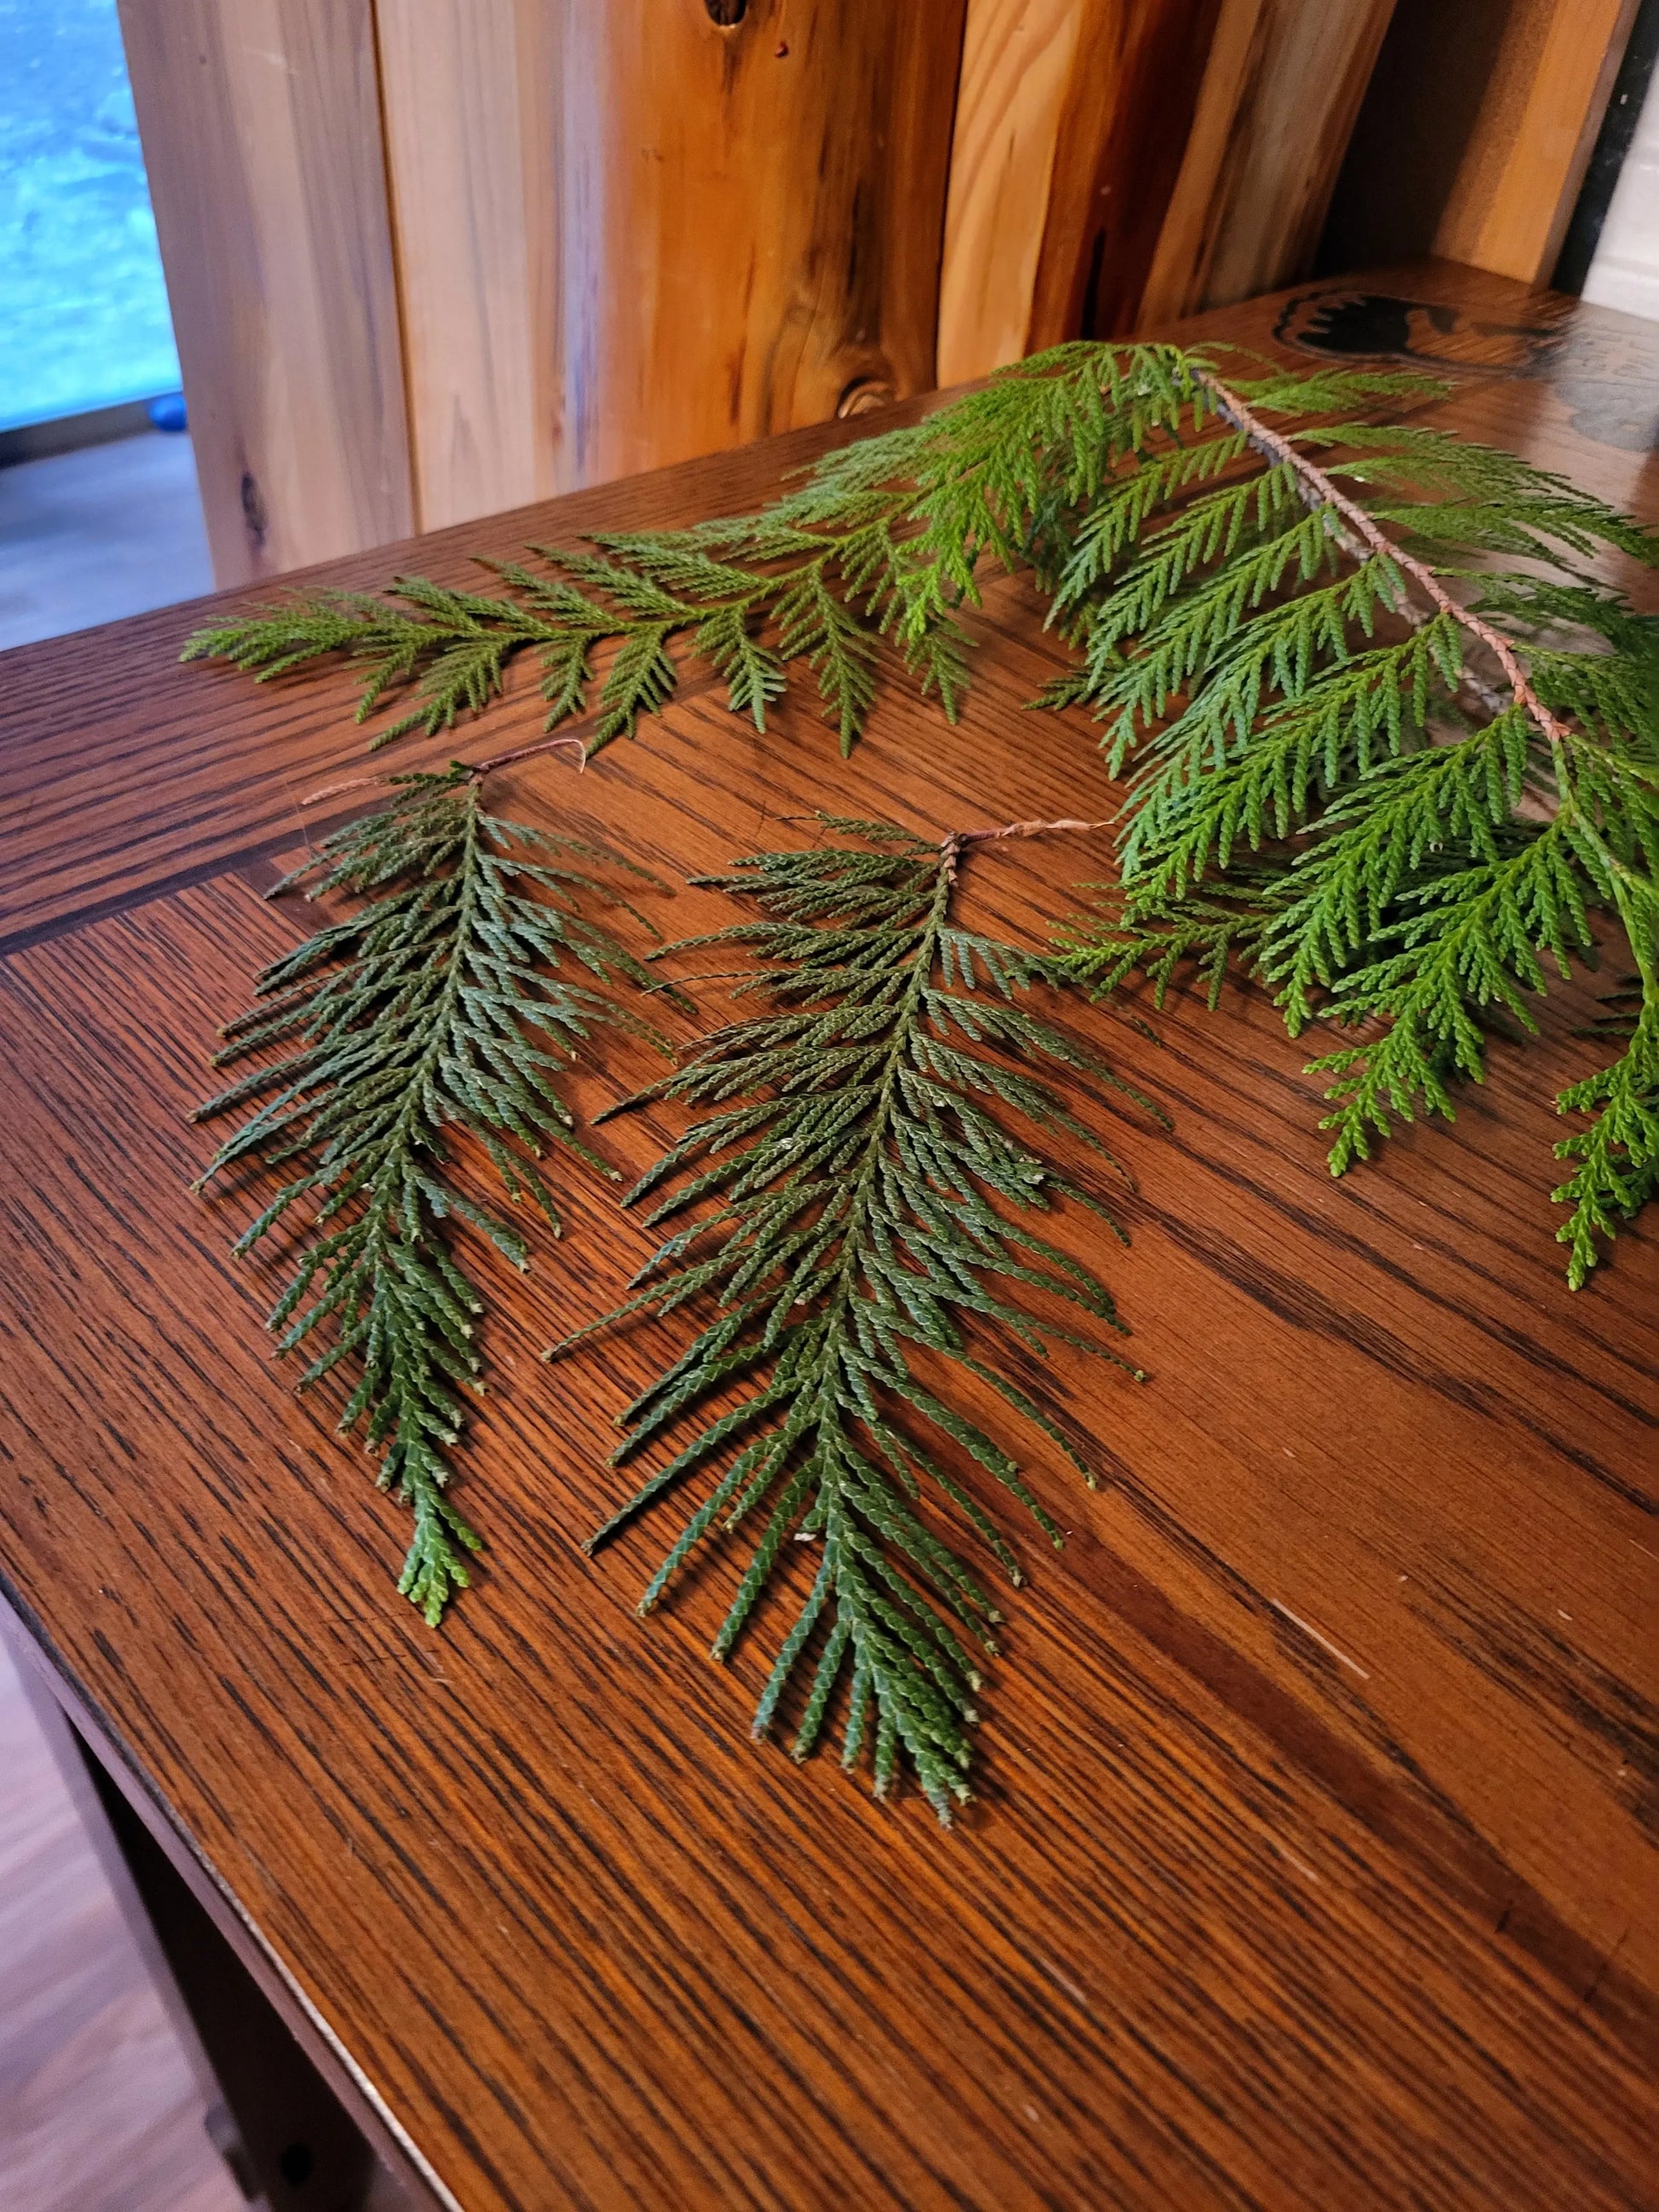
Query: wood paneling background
(777, 199)
(431, 259)
(632, 234)
(1069, 135)
(261, 125)
(471, 101)
(1513, 197)
(1121, 163)
(1281, 88)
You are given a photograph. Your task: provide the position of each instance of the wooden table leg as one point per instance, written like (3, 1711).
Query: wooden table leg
(288, 2140)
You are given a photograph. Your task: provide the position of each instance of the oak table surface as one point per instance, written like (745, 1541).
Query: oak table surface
(1317, 1778)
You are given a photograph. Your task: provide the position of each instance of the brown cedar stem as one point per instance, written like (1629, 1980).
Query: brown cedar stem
(1270, 443)
(950, 847)
(475, 771)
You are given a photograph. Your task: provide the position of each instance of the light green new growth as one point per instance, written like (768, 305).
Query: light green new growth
(883, 537)
(1391, 747)
(1371, 765)
(865, 1197)
(440, 1005)
(1616, 1160)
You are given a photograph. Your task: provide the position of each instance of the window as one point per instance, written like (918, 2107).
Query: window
(83, 310)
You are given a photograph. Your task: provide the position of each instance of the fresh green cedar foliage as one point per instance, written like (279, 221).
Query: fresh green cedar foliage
(1392, 748)
(1371, 765)
(447, 1001)
(884, 536)
(855, 1192)
(1615, 1162)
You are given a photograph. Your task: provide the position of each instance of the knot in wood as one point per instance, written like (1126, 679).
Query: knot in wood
(864, 396)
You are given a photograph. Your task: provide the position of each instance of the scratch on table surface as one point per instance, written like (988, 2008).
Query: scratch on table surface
(1301, 1865)
(1600, 1972)
(1064, 1982)
(1323, 1642)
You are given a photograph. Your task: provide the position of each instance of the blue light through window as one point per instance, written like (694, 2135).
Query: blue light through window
(83, 310)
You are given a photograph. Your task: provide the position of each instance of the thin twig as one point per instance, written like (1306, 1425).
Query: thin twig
(1365, 533)
(475, 771)
(950, 846)
(352, 783)
(527, 752)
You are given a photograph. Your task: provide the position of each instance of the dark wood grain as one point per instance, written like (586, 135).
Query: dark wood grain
(1314, 1838)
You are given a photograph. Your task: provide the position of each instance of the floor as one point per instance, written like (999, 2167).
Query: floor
(90, 535)
(83, 2031)
(99, 2109)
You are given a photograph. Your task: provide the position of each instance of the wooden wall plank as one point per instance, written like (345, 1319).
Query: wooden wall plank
(474, 130)
(631, 234)
(1512, 196)
(779, 187)
(1282, 88)
(1117, 161)
(1068, 135)
(1474, 133)
(260, 122)
(1018, 58)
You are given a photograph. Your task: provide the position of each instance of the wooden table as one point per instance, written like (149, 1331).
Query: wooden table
(1312, 1850)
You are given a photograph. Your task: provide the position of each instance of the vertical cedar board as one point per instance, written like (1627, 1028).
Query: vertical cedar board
(1474, 133)
(1275, 112)
(1114, 165)
(261, 132)
(630, 235)
(1521, 169)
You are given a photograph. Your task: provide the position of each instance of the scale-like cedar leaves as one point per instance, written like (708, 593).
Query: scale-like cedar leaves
(883, 539)
(1303, 632)
(449, 999)
(856, 1191)
(1386, 778)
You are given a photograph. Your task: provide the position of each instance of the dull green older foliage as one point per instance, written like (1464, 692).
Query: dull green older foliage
(855, 1191)
(448, 1001)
